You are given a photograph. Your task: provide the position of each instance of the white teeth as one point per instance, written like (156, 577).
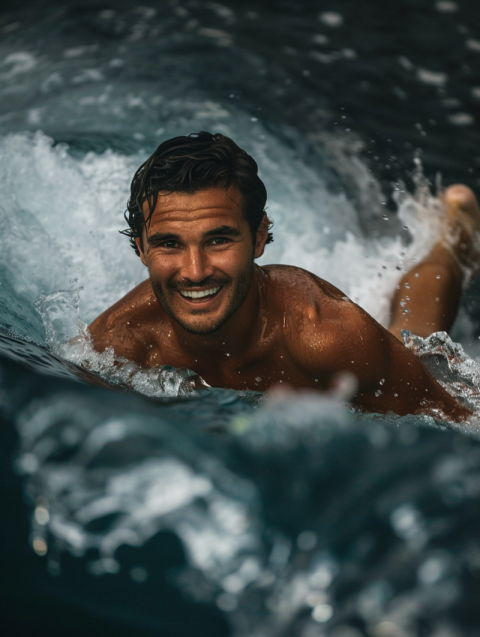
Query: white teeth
(200, 294)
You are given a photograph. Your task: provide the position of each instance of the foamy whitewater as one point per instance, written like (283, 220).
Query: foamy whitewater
(295, 516)
(65, 261)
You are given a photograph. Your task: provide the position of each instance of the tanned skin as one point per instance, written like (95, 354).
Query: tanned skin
(274, 324)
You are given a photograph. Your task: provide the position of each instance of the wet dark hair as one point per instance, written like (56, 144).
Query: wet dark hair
(192, 163)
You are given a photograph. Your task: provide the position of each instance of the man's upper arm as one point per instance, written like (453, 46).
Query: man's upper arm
(111, 330)
(398, 381)
(101, 336)
(390, 377)
(120, 326)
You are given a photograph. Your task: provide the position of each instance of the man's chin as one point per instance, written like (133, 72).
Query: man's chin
(201, 328)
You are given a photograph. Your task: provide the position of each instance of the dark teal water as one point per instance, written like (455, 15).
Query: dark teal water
(211, 514)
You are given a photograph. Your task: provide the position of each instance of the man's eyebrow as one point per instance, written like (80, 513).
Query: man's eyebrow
(162, 236)
(226, 231)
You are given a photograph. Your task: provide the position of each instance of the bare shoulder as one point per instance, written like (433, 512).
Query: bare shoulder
(308, 298)
(321, 324)
(125, 325)
(289, 278)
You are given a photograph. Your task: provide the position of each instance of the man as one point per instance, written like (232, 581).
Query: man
(197, 220)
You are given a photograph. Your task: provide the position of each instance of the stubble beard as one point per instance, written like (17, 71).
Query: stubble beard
(240, 292)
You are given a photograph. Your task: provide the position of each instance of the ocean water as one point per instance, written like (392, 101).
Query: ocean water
(158, 507)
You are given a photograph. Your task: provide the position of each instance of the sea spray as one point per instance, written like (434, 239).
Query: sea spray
(292, 521)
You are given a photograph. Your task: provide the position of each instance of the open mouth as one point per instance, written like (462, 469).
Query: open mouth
(200, 296)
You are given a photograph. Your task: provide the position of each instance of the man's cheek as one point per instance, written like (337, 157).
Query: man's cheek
(161, 271)
(231, 262)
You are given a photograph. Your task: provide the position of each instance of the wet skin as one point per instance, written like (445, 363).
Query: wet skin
(262, 326)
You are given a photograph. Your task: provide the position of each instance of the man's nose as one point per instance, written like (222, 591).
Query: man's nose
(196, 265)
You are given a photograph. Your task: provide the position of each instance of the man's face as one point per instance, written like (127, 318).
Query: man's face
(198, 249)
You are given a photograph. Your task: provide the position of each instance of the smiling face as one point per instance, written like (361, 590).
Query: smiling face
(199, 251)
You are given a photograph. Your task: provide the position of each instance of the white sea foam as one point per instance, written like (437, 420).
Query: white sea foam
(61, 217)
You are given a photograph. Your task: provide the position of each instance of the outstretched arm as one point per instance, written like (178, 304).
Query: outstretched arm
(390, 378)
(405, 386)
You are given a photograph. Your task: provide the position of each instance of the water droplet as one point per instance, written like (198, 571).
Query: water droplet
(138, 574)
(322, 613)
(226, 602)
(306, 541)
(42, 515)
(446, 6)
(331, 18)
(39, 546)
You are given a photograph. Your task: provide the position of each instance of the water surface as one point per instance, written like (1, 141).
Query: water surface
(164, 512)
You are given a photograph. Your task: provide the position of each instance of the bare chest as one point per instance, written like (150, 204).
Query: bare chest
(256, 370)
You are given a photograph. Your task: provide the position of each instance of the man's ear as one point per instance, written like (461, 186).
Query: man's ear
(261, 238)
(138, 241)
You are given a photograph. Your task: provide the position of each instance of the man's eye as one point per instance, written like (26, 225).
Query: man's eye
(218, 241)
(169, 244)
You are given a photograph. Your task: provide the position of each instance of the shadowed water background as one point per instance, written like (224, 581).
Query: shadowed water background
(213, 513)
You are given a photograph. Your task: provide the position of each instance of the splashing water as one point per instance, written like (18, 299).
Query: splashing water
(244, 552)
(300, 517)
(63, 228)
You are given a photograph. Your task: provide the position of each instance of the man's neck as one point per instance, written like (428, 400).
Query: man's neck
(234, 336)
